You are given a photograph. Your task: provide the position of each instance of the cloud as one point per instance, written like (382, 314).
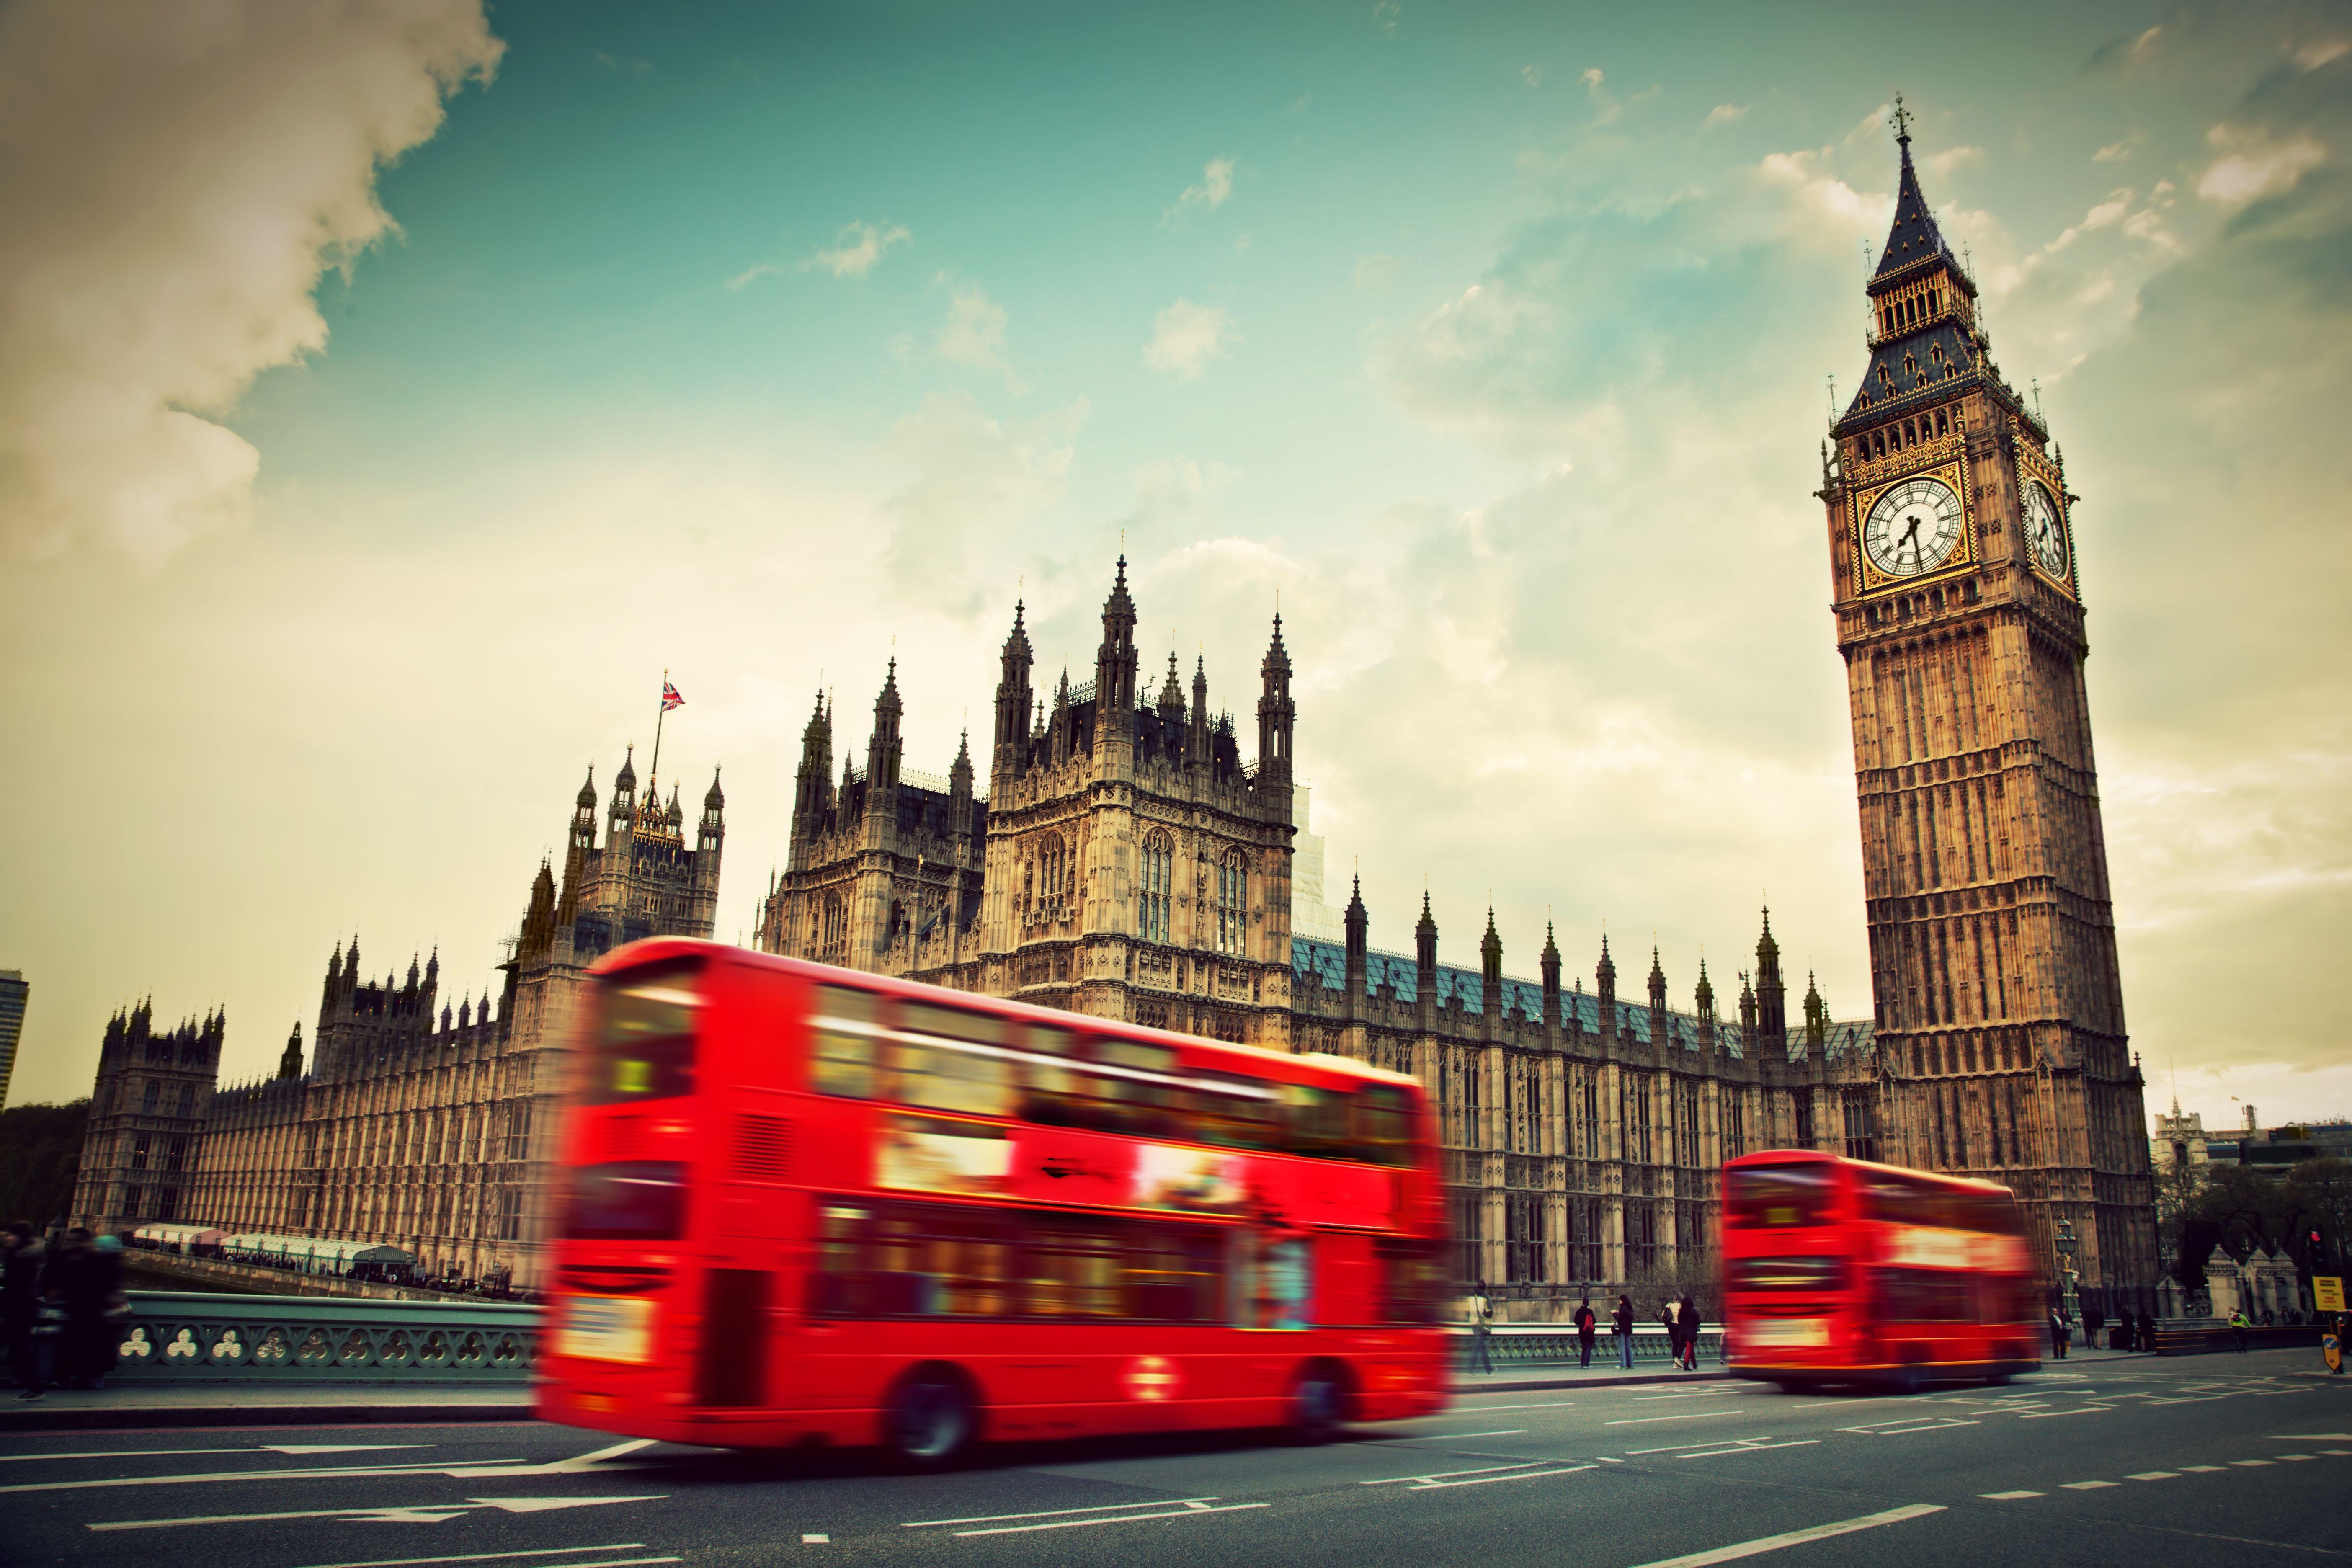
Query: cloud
(1185, 337)
(179, 177)
(973, 333)
(975, 481)
(857, 247)
(1531, 75)
(2260, 167)
(1724, 114)
(2113, 152)
(1385, 13)
(1216, 184)
(1376, 273)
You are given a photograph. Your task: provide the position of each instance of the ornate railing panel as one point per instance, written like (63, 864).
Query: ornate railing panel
(171, 1337)
(1516, 1348)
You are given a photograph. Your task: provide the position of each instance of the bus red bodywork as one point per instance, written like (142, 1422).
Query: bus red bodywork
(1843, 1271)
(807, 1206)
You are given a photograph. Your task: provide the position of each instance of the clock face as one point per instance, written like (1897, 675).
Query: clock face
(2045, 530)
(1913, 527)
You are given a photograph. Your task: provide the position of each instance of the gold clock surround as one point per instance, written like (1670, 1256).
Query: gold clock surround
(2031, 465)
(1952, 474)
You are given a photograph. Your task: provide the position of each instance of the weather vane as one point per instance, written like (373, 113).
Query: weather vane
(1900, 120)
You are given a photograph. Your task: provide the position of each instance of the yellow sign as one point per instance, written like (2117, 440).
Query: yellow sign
(2328, 1292)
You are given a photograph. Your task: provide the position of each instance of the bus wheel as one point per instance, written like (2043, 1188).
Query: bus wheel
(1318, 1402)
(930, 1422)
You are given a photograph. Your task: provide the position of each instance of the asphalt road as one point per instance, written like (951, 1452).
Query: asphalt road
(2217, 1459)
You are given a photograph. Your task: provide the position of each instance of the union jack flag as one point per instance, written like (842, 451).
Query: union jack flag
(670, 699)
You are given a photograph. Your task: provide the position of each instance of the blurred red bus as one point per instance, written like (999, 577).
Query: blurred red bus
(1841, 1270)
(807, 1206)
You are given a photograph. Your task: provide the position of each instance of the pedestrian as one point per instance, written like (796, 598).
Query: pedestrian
(1673, 1334)
(2093, 1320)
(2146, 1333)
(91, 1289)
(1623, 1320)
(2119, 1338)
(1586, 1321)
(1481, 1324)
(2061, 1332)
(1688, 1321)
(2239, 1326)
(20, 1307)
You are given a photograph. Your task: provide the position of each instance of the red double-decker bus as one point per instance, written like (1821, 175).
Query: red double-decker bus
(806, 1206)
(1841, 1270)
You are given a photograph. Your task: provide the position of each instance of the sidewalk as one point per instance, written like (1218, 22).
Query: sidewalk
(131, 1407)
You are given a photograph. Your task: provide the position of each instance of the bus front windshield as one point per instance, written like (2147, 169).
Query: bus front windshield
(643, 1043)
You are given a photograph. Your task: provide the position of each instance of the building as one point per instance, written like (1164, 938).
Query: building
(416, 1125)
(2179, 1148)
(1126, 860)
(13, 995)
(1999, 1005)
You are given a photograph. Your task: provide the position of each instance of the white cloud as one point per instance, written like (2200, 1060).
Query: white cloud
(179, 178)
(2113, 152)
(2260, 167)
(975, 480)
(1216, 184)
(1185, 337)
(1724, 114)
(857, 247)
(1531, 75)
(973, 333)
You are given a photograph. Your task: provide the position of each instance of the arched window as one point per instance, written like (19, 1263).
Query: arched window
(1154, 888)
(1232, 899)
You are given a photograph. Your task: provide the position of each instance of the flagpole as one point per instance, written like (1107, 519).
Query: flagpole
(661, 712)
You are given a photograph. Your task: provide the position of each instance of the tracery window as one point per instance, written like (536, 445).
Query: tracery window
(1155, 886)
(1233, 897)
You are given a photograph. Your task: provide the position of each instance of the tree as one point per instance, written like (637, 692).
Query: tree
(41, 1153)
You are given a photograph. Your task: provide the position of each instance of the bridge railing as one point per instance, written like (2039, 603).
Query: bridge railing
(175, 1337)
(1514, 1347)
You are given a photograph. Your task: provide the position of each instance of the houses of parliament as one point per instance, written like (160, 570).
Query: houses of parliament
(1113, 850)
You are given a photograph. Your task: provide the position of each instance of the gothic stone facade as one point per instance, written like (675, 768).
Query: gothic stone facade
(417, 1125)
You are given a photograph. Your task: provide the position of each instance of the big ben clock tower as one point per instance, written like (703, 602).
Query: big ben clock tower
(1999, 1019)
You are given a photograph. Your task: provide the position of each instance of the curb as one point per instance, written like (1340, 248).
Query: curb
(148, 1417)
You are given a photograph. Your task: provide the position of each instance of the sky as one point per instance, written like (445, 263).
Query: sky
(391, 394)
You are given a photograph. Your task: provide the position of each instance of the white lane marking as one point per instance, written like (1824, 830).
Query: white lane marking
(2249, 1464)
(1693, 1415)
(1190, 1510)
(1888, 1429)
(1678, 1447)
(816, 1540)
(2201, 1469)
(416, 1513)
(1607, 1460)
(1463, 1436)
(2053, 1415)
(2339, 1453)
(1752, 1449)
(2154, 1475)
(571, 1466)
(1467, 1411)
(493, 1467)
(484, 1556)
(1440, 1475)
(2295, 1459)
(2008, 1496)
(1054, 1512)
(1437, 1486)
(2089, 1486)
(2312, 1437)
(1796, 1537)
(175, 1452)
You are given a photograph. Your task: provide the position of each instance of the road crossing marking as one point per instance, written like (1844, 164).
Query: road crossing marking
(491, 1468)
(2296, 1459)
(1463, 1436)
(1693, 1415)
(1750, 1447)
(411, 1513)
(1064, 1517)
(2154, 1475)
(1468, 1411)
(1796, 1537)
(2008, 1496)
(2249, 1464)
(2201, 1469)
(2089, 1486)
(1486, 1475)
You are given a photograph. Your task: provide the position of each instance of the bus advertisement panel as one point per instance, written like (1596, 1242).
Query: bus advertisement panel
(1843, 1271)
(807, 1206)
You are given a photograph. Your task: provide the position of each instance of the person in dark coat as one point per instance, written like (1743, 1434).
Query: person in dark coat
(2119, 1338)
(1587, 1321)
(1674, 1334)
(89, 1287)
(2061, 1332)
(1623, 1320)
(1686, 1322)
(20, 1307)
(2147, 1335)
(2093, 1320)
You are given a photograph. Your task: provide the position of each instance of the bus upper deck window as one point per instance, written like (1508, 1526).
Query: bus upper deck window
(1317, 1120)
(1791, 1194)
(846, 1028)
(643, 1044)
(1383, 1124)
(930, 1071)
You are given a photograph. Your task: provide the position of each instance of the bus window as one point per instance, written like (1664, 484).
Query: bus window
(1173, 1275)
(1273, 1279)
(643, 1044)
(1792, 1195)
(1383, 1124)
(846, 1025)
(634, 1200)
(1234, 1112)
(1928, 1296)
(1411, 1281)
(1812, 1275)
(1902, 1200)
(1315, 1121)
(932, 1072)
